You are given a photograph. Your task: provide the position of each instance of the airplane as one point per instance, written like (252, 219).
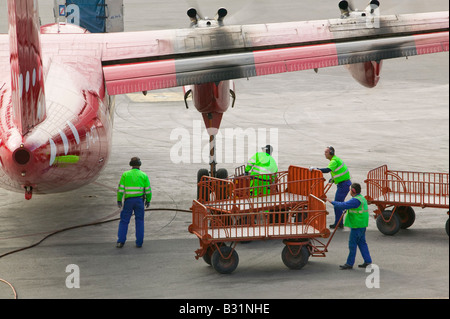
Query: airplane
(58, 81)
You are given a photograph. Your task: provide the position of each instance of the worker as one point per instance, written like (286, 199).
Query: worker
(261, 163)
(358, 220)
(340, 175)
(134, 187)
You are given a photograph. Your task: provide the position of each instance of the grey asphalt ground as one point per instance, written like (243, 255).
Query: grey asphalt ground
(403, 122)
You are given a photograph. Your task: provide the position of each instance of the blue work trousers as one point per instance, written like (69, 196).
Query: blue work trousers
(342, 190)
(135, 204)
(358, 240)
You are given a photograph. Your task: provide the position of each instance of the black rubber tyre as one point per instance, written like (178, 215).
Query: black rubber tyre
(202, 172)
(446, 226)
(388, 228)
(221, 187)
(207, 256)
(407, 216)
(209, 252)
(222, 173)
(225, 265)
(295, 257)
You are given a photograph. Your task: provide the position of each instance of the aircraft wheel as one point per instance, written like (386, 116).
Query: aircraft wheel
(204, 192)
(226, 264)
(222, 173)
(407, 216)
(295, 256)
(387, 225)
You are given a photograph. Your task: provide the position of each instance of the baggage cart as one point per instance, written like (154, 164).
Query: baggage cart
(395, 193)
(288, 205)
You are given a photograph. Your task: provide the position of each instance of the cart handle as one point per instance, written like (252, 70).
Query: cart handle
(317, 198)
(327, 188)
(334, 231)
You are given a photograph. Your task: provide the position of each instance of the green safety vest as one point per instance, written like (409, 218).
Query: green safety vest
(339, 171)
(358, 217)
(134, 183)
(261, 163)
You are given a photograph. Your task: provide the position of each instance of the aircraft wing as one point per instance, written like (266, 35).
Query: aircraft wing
(149, 60)
(140, 61)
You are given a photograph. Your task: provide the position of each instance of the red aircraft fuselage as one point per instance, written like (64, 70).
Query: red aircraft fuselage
(57, 139)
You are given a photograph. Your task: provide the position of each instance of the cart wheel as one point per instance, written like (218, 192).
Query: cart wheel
(295, 256)
(446, 227)
(226, 264)
(208, 254)
(386, 224)
(407, 216)
(210, 251)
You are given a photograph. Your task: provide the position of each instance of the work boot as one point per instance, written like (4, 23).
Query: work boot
(119, 245)
(345, 266)
(364, 265)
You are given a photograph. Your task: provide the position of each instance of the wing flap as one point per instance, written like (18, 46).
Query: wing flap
(138, 77)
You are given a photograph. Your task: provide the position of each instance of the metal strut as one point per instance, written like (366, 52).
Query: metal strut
(212, 150)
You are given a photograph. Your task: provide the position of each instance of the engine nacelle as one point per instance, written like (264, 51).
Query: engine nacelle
(366, 73)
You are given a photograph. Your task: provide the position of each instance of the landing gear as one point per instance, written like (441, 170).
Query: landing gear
(202, 192)
(221, 173)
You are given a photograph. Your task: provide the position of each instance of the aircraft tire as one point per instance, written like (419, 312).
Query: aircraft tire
(201, 172)
(222, 173)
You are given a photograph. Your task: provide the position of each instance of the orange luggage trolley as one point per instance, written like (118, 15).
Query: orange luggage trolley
(403, 190)
(288, 205)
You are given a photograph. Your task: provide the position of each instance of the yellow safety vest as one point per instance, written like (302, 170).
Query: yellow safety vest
(358, 217)
(134, 183)
(339, 171)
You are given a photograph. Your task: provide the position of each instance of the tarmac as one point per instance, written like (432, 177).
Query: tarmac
(403, 122)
